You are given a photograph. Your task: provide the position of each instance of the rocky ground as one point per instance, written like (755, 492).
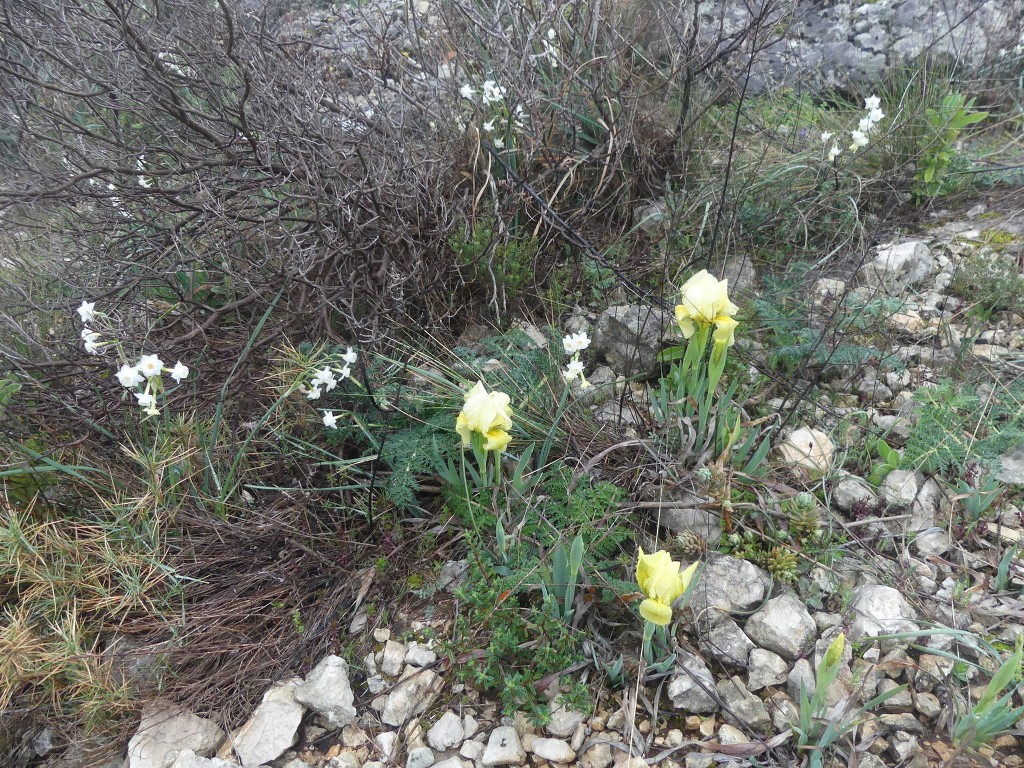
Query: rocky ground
(749, 642)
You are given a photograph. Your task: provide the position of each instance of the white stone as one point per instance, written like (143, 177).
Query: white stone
(899, 266)
(783, 626)
(689, 689)
(272, 728)
(345, 759)
(766, 668)
(394, 658)
(553, 750)
(387, 743)
(729, 734)
(186, 758)
(471, 750)
(419, 655)
(850, 491)
(452, 762)
(598, 756)
(899, 487)
(420, 757)
(563, 722)
(411, 696)
(327, 692)
(932, 542)
(167, 728)
(728, 585)
(1011, 466)
(808, 450)
(504, 748)
(446, 733)
(877, 610)
(470, 726)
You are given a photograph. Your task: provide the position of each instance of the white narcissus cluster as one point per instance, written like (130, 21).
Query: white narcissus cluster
(705, 302)
(326, 379)
(573, 344)
(486, 414)
(148, 370)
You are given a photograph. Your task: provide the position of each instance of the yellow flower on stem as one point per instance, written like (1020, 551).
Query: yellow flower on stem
(705, 302)
(661, 581)
(487, 414)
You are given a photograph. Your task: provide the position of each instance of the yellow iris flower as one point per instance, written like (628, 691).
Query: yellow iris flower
(661, 581)
(488, 414)
(705, 301)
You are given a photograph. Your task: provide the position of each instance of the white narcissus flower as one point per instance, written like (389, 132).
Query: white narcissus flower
(350, 357)
(325, 379)
(825, 136)
(92, 347)
(330, 420)
(467, 91)
(488, 126)
(573, 370)
(150, 366)
(575, 342)
(492, 92)
(88, 334)
(313, 394)
(129, 376)
(705, 301)
(146, 399)
(179, 372)
(345, 372)
(834, 152)
(87, 311)
(860, 139)
(872, 103)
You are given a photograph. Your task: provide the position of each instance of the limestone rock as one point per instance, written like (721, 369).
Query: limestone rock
(419, 655)
(504, 748)
(726, 643)
(553, 750)
(629, 337)
(690, 689)
(419, 757)
(1011, 466)
(394, 658)
(899, 487)
(851, 491)
(741, 707)
(446, 733)
(327, 692)
(808, 450)
(272, 728)
(186, 758)
(898, 267)
(564, 722)
(766, 668)
(783, 626)
(410, 697)
(728, 585)
(167, 728)
(879, 610)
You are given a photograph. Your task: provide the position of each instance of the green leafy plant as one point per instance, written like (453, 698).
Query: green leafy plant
(954, 426)
(821, 726)
(937, 146)
(994, 713)
(891, 459)
(976, 498)
(560, 578)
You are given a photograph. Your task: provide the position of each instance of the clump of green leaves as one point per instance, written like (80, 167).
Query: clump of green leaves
(836, 340)
(499, 260)
(937, 143)
(508, 638)
(955, 426)
(990, 280)
(891, 459)
(994, 713)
